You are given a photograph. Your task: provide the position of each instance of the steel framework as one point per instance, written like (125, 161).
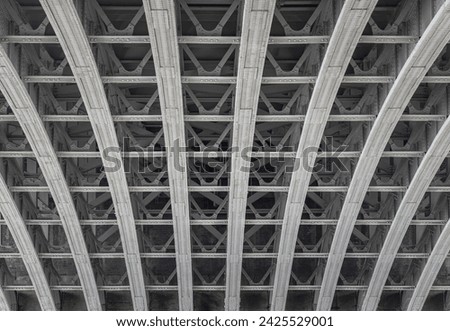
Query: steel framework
(233, 154)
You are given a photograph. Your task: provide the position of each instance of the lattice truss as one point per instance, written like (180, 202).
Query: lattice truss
(284, 154)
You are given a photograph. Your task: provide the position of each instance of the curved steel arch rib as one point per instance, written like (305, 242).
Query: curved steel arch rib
(28, 117)
(350, 25)
(4, 305)
(64, 19)
(430, 164)
(161, 21)
(256, 25)
(431, 270)
(22, 238)
(424, 54)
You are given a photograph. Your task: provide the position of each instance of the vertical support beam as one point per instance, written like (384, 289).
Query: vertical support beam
(24, 244)
(424, 54)
(28, 117)
(64, 19)
(349, 27)
(161, 21)
(256, 25)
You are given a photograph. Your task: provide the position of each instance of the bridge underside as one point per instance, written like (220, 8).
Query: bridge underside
(185, 155)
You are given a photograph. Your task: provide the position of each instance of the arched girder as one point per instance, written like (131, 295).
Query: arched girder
(431, 270)
(4, 305)
(349, 27)
(256, 25)
(28, 117)
(161, 21)
(424, 54)
(64, 19)
(22, 238)
(424, 175)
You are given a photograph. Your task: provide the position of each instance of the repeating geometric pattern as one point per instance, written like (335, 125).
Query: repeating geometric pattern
(224, 155)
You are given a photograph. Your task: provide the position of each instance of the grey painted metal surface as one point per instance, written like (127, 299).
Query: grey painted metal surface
(161, 21)
(132, 86)
(424, 54)
(349, 27)
(68, 27)
(4, 305)
(257, 20)
(431, 270)
(19, 231)
(25, 111)
(430, 164)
